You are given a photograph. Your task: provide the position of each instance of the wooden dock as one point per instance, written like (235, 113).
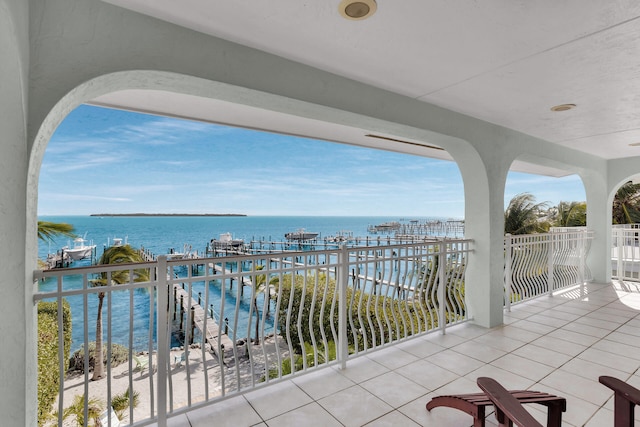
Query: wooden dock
(213, 335)
(221, 269)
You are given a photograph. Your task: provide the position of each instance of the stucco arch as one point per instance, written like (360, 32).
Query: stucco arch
(598, 216)
(615, 186)
(463, 152)
(483, 176)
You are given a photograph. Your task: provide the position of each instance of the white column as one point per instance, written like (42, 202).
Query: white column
(599, 220)
(484, 180)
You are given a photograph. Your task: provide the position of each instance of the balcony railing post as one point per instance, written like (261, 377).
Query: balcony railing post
(550, 260)
(582, 255)
(343, 277)
(508, 253)
(442, 305)
(163, 339)
(620, 242)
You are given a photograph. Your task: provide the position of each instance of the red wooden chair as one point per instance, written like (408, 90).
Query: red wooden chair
(509, 410)
(475, 404)
(625, 398)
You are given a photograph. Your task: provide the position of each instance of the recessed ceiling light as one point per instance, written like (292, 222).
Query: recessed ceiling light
(563, 107)
(357, 9)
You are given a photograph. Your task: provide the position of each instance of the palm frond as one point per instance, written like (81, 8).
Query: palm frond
(48, 230)
(522, 215)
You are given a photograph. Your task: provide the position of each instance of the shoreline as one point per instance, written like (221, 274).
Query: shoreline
(165, 214)
(201, 378)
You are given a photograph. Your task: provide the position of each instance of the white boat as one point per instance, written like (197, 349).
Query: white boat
(385, 227)
(226, 241)
(301, 234)
(80, 249)
(117, 241)
(185, 254)
(342, 236)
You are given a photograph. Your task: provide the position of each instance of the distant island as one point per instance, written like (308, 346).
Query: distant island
(166, 214)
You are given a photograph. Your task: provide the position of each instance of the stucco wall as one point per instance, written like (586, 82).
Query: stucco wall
(17, 371)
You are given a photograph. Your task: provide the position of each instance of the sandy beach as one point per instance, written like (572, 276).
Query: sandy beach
(186, 379)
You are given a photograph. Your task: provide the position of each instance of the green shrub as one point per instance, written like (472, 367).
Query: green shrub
(76, 410)
(120, 402)
(48, 362)
(298, 360)
(375, 318)
(292, 299)
(119, 355)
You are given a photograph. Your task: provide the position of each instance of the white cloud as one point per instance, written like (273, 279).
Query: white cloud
(67, 197)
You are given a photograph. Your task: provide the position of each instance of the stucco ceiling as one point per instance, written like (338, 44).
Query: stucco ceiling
(503, 61)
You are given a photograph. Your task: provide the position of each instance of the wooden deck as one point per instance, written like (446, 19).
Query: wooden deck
(213, 335)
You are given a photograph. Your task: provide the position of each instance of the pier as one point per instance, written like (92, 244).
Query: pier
(212, 333)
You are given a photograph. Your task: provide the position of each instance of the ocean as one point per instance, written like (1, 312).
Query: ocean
(160, 235)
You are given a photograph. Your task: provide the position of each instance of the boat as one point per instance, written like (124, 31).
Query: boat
(117, 241)
(187, 253)
(342, 236)
(301, 234)
(226, 241)
(386, 227)
(80, 249)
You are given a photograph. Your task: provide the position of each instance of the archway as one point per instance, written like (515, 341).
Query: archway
(625, 214)
(417, 148)
(472, 166)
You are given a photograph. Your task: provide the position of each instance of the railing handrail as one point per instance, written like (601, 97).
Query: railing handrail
(537, 264)
(384, 293)
(625, 252)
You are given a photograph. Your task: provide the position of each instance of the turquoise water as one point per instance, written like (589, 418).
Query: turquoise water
(160, 235)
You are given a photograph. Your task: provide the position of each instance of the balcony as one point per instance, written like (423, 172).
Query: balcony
(397, 308)
(558, 344)
(198, 330)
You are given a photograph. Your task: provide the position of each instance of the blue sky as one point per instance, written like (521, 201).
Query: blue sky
(109, 161)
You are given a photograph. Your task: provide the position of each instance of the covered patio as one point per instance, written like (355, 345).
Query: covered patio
(540, 87)
(559, 345)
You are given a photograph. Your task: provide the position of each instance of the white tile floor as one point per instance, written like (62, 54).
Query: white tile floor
(558, 345)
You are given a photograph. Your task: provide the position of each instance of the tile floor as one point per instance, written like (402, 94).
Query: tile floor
(557, 344)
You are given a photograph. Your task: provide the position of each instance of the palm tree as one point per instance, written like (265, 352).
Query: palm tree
(259, 286)
(48, 230)
(570, 214)
(523, 215)
(113, 255)
(626, 204)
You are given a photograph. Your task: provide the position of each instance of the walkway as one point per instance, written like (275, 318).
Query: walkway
(560, 345)
(199, 315)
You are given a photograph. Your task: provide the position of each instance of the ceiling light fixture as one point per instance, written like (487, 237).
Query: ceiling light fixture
(563, 107)
(357, 9)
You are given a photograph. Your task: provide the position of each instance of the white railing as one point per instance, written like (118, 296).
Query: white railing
(625, 252)
(538, 264)
(252, 319)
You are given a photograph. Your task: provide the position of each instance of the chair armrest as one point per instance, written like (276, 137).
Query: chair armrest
(506, 403)
(629, 392)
